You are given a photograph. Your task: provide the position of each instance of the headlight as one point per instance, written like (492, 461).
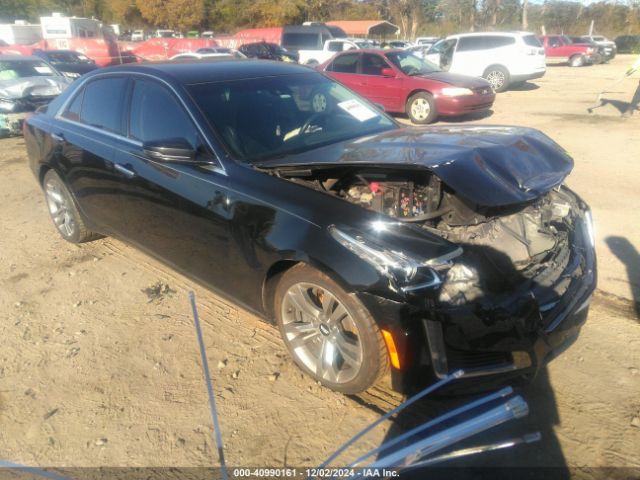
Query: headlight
(410, 273)
(71, 74)
(7, 105)
(456, 91)
(590, 50)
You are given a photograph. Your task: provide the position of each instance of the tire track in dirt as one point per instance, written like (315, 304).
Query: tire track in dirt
(218, 311)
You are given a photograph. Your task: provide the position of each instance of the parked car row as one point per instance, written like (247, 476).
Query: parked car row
(428, 79)
(26, 83)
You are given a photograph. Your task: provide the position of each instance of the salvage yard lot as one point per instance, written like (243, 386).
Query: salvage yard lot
(99, 365)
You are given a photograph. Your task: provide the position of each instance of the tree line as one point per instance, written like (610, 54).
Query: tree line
(414, 17)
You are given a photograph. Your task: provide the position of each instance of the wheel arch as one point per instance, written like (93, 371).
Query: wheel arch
(43, 169)
(494, 65)
(280, 267)
(416, 91)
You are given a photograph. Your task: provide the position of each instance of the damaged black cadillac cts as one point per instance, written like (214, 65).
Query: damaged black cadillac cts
(374, 248)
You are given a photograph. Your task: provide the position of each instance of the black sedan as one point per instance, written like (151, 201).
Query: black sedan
(68, 62)
(374, 248)
(268, 51)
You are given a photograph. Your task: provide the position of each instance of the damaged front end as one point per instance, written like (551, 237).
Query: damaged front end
(21, 96)
(514, 292)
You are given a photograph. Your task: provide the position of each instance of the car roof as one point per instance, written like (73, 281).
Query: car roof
(212, 70)
(481, 34)
(373, 50)
(57, 51)
(21, 57)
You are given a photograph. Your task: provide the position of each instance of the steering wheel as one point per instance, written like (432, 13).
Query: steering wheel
(310, 120)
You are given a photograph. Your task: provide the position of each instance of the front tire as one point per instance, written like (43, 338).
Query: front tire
(498, 77)
(577, 61)
(328, 332)
(63, 210)
(421, 108)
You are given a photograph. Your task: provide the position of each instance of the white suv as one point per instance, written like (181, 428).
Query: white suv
(503, 58)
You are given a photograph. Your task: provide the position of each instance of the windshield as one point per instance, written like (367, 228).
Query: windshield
(10, 69)
(410, 64)
(67, 57)
(268, 117)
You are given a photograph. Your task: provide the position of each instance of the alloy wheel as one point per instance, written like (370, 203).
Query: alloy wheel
(321, 333)
(59, 208)
(496, 78)
(420, 109)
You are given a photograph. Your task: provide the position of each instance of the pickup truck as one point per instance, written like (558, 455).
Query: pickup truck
(331, 47)
(609, 48)
(560, 49)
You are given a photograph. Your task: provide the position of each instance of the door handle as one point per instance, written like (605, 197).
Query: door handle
(58, 137)
(124, 170)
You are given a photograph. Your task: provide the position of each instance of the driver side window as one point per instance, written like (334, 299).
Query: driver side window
(156, 115)
(372, 64)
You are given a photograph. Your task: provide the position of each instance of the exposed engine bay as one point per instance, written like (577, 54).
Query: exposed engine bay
(509, 245)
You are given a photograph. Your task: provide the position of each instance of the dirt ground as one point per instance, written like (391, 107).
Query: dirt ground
(99, 363)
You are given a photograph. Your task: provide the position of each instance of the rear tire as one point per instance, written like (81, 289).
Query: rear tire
(328, 332)
(64, 212)
(498, 77)
(421, 108)
(577, 61)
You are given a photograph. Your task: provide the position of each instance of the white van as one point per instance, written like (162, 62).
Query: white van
(503, 58)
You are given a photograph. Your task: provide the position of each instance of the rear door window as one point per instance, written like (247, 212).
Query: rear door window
(469, 44)
(531, 40)
(345, 64)
(499, 41)
(102, 104)
(156, 115)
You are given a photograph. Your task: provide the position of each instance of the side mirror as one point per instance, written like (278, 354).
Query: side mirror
(174, 150)
(388, 72)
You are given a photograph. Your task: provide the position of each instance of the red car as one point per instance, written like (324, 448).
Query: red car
(402, 83)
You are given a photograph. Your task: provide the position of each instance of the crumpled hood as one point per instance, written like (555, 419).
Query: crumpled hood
(488, 165)
(33, 86)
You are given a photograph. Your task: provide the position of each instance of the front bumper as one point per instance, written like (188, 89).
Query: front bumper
(511, 342)
(453, 106)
